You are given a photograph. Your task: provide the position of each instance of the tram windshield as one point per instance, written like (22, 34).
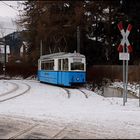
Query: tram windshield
(77, 66)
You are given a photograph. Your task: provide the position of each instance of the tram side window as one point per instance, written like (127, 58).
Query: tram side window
(65, 64)
(42, 65)
(49, 65)
(59, 64)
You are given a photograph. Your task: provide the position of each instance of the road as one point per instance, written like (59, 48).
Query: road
(24, 128)
(32, 110)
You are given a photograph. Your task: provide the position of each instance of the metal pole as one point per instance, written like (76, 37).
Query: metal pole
(126, 76)
(123, 80)
(126, 79)
(4, 66)
(41, 48)
(139, 93)
(78, 39)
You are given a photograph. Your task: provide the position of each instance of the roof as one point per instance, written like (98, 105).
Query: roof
(61, 55)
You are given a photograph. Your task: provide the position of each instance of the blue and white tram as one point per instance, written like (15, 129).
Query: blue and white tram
(65, 69)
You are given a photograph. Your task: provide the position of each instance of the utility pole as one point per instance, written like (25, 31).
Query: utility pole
(139, 93)
(41, 48)
(4, 63)
(78, 39)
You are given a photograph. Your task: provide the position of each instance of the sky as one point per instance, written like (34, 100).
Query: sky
(9, 11)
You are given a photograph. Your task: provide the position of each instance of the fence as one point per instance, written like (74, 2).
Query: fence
(98, 72)
(23, 70)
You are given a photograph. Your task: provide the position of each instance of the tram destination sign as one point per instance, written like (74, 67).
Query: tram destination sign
(77, 59)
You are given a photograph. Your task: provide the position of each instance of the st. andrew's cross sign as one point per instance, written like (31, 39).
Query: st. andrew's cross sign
(125, 38)
(124, 56)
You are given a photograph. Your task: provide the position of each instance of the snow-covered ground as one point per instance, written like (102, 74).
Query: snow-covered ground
(105, 116)
(133, 87)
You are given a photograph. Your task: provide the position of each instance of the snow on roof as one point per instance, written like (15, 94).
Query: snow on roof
(61, 55)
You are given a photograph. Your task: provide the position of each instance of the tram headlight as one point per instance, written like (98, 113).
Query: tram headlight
(77, 78)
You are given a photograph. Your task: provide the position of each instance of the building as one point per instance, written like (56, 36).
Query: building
(2, 53)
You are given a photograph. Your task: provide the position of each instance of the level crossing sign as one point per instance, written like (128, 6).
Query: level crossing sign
(124, 55)
(125, 38)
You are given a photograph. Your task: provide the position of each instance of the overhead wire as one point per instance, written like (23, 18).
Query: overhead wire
(8, 28)
(8, 5)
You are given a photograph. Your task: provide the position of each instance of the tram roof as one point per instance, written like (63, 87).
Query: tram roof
(61, 55)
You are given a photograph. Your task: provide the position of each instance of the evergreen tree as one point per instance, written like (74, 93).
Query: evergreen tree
(55, 23)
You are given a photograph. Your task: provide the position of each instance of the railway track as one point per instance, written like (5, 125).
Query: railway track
(68, 91)
(83, 92)
(15, 92)
(8, 92)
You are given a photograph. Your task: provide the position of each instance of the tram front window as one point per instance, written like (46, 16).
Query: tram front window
(77, 66)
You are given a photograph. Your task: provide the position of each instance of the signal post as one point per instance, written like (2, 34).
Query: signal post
(124, 54)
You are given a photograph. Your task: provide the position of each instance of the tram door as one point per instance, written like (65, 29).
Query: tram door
(59, 71)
